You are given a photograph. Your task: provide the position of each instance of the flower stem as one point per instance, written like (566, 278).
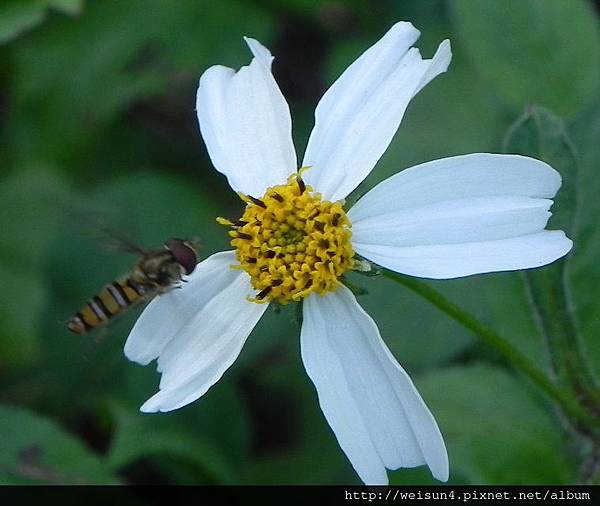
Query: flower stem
(500, 344)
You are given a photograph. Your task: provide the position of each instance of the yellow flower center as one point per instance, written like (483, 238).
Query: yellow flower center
(291, 242)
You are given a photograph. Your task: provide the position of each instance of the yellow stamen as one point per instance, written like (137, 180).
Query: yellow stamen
(224, 221)
(291, 242)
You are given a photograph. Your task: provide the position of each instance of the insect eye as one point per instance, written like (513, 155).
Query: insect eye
(183, 254)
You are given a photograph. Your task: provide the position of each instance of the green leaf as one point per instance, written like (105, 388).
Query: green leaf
(141, 435)
(169, 207)
(33, 199)
(534, 51)
(23, 298)
(67, 6)
(495, 429)
(18, 16)
(34, 450)
(540, 134)
(584, 268)
(32, 203)
(208, 419)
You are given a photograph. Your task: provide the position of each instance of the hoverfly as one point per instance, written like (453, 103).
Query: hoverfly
(156, 272)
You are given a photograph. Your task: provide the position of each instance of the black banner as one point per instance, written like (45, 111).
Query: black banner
(309, 495)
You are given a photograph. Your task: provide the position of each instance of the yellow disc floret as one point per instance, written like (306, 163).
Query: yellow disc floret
(291, 242)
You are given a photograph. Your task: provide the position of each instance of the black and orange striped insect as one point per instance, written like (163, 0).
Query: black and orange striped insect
(157, 271)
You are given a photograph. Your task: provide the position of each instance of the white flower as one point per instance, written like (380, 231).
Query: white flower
(442, 219)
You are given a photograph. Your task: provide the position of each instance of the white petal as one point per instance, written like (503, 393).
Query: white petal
(456, 260)
(206, 346)
(455, 221)
(246, 125)
(375, 411)
(459, 177)
(163, 318)
(460, 216)
(358, 116)
(260, 52)
(437, 65)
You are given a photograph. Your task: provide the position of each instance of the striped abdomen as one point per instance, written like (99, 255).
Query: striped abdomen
(112, 300)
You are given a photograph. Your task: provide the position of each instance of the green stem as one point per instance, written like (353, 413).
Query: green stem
(496, 341)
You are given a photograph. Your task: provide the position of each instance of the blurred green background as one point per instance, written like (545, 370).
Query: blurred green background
(97, 116)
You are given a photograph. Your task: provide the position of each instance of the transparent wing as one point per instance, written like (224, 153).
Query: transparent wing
(98, 225)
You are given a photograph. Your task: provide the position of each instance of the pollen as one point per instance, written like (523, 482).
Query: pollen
(291, 242)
